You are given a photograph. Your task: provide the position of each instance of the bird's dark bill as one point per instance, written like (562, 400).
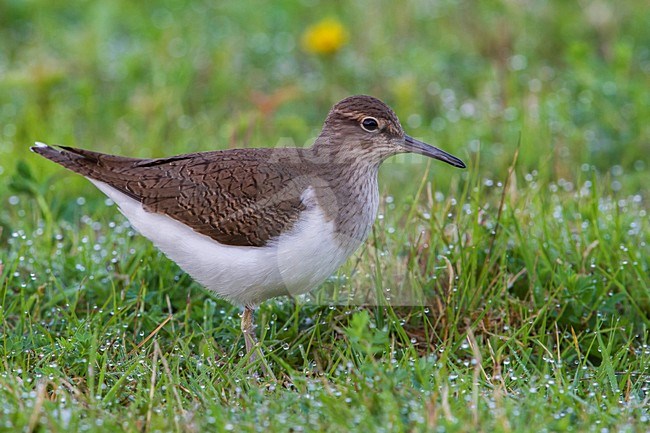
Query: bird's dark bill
(417, 146)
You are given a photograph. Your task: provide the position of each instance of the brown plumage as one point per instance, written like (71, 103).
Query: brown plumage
(243, 197)
(235, 197)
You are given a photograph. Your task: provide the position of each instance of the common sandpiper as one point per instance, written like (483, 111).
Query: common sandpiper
(252, 224)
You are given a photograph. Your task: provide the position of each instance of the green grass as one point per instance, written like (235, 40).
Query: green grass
(533, 261)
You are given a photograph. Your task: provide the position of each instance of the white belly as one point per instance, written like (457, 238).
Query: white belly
(294, 263)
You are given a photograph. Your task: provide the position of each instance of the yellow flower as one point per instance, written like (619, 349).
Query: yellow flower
(325, 37)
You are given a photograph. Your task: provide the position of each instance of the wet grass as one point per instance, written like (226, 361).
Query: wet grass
(533, 262)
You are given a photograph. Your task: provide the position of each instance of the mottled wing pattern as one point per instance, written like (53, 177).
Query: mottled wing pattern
(236, 198)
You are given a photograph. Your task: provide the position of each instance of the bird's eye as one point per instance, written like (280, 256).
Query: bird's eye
(369, 124)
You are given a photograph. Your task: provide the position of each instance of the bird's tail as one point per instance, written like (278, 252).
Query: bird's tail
(95, 165)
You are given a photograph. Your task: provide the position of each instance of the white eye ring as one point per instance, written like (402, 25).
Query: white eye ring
(370, 124)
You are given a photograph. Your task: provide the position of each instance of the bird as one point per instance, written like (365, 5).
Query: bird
(256, 223)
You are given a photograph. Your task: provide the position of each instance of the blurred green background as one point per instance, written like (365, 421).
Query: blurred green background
(546, 320)
(159, 78)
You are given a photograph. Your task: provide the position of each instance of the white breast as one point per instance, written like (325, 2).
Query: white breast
(294, 263)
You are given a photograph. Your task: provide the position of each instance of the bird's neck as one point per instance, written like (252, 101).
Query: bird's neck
(347, 191)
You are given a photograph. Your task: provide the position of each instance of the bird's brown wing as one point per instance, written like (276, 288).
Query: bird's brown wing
(236, 197)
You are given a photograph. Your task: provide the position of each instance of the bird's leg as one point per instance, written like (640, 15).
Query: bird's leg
(252, 347)
(248, 328)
